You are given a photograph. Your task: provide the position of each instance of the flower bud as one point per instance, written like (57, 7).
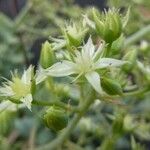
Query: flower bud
(47, 56)
(131, 58)
(111, 87)
(117, 45)
(108, 25)
(74, 34)
(56, 118)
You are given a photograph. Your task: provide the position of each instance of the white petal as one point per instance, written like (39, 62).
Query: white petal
(94, 79)
(88, 49)
(27, 100)
(40, 76)
(7, 105)
(99, 50)
(27, 75)
(61, 69)
(6, 91)
(108, 62)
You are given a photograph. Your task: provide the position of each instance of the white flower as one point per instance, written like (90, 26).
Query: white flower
(85, 63)
(19, 89)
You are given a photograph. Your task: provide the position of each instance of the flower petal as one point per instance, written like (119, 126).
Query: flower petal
(94, 79)
(6, 91)
(27, 100)
(108, 62)
(40, 76)
(7, 105)
(27, 75)
(88, 49)
(61, 69)
(99, 50)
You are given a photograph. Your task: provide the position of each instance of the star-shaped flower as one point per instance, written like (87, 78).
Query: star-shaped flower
(85, 63)
(19, 89)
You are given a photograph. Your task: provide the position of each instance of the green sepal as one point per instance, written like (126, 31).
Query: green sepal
(131, 58)
(47, 57)
(111, 86)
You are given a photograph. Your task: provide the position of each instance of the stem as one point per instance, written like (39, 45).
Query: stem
(65, 134)
(137, 36)
(45, 103)
(57, 103)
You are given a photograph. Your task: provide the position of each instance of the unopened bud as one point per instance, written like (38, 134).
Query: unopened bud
(108, 25)
(117, 45)
(111, 87)
(56, 118)
(131, 58)
(47, 56)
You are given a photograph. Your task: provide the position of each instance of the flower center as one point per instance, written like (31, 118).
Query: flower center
(84, 65)
(19, 88)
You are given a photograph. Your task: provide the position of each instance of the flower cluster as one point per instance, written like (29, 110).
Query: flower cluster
(83, 58)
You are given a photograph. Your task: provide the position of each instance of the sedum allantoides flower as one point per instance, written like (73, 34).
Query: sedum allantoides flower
(19, 89)
(85, 63)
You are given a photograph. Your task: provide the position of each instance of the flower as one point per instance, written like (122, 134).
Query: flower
(19, 89)
(85, 63)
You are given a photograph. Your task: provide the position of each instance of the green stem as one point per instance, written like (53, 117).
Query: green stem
(45, 103)
(56, 103)
(65, 134)
(137, 36)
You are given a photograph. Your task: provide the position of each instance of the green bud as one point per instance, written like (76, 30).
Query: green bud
(117, 45)
(108, 25)
(74, 34)
(56, 118)
(47, 56)
(111, 87)
(131, 58)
